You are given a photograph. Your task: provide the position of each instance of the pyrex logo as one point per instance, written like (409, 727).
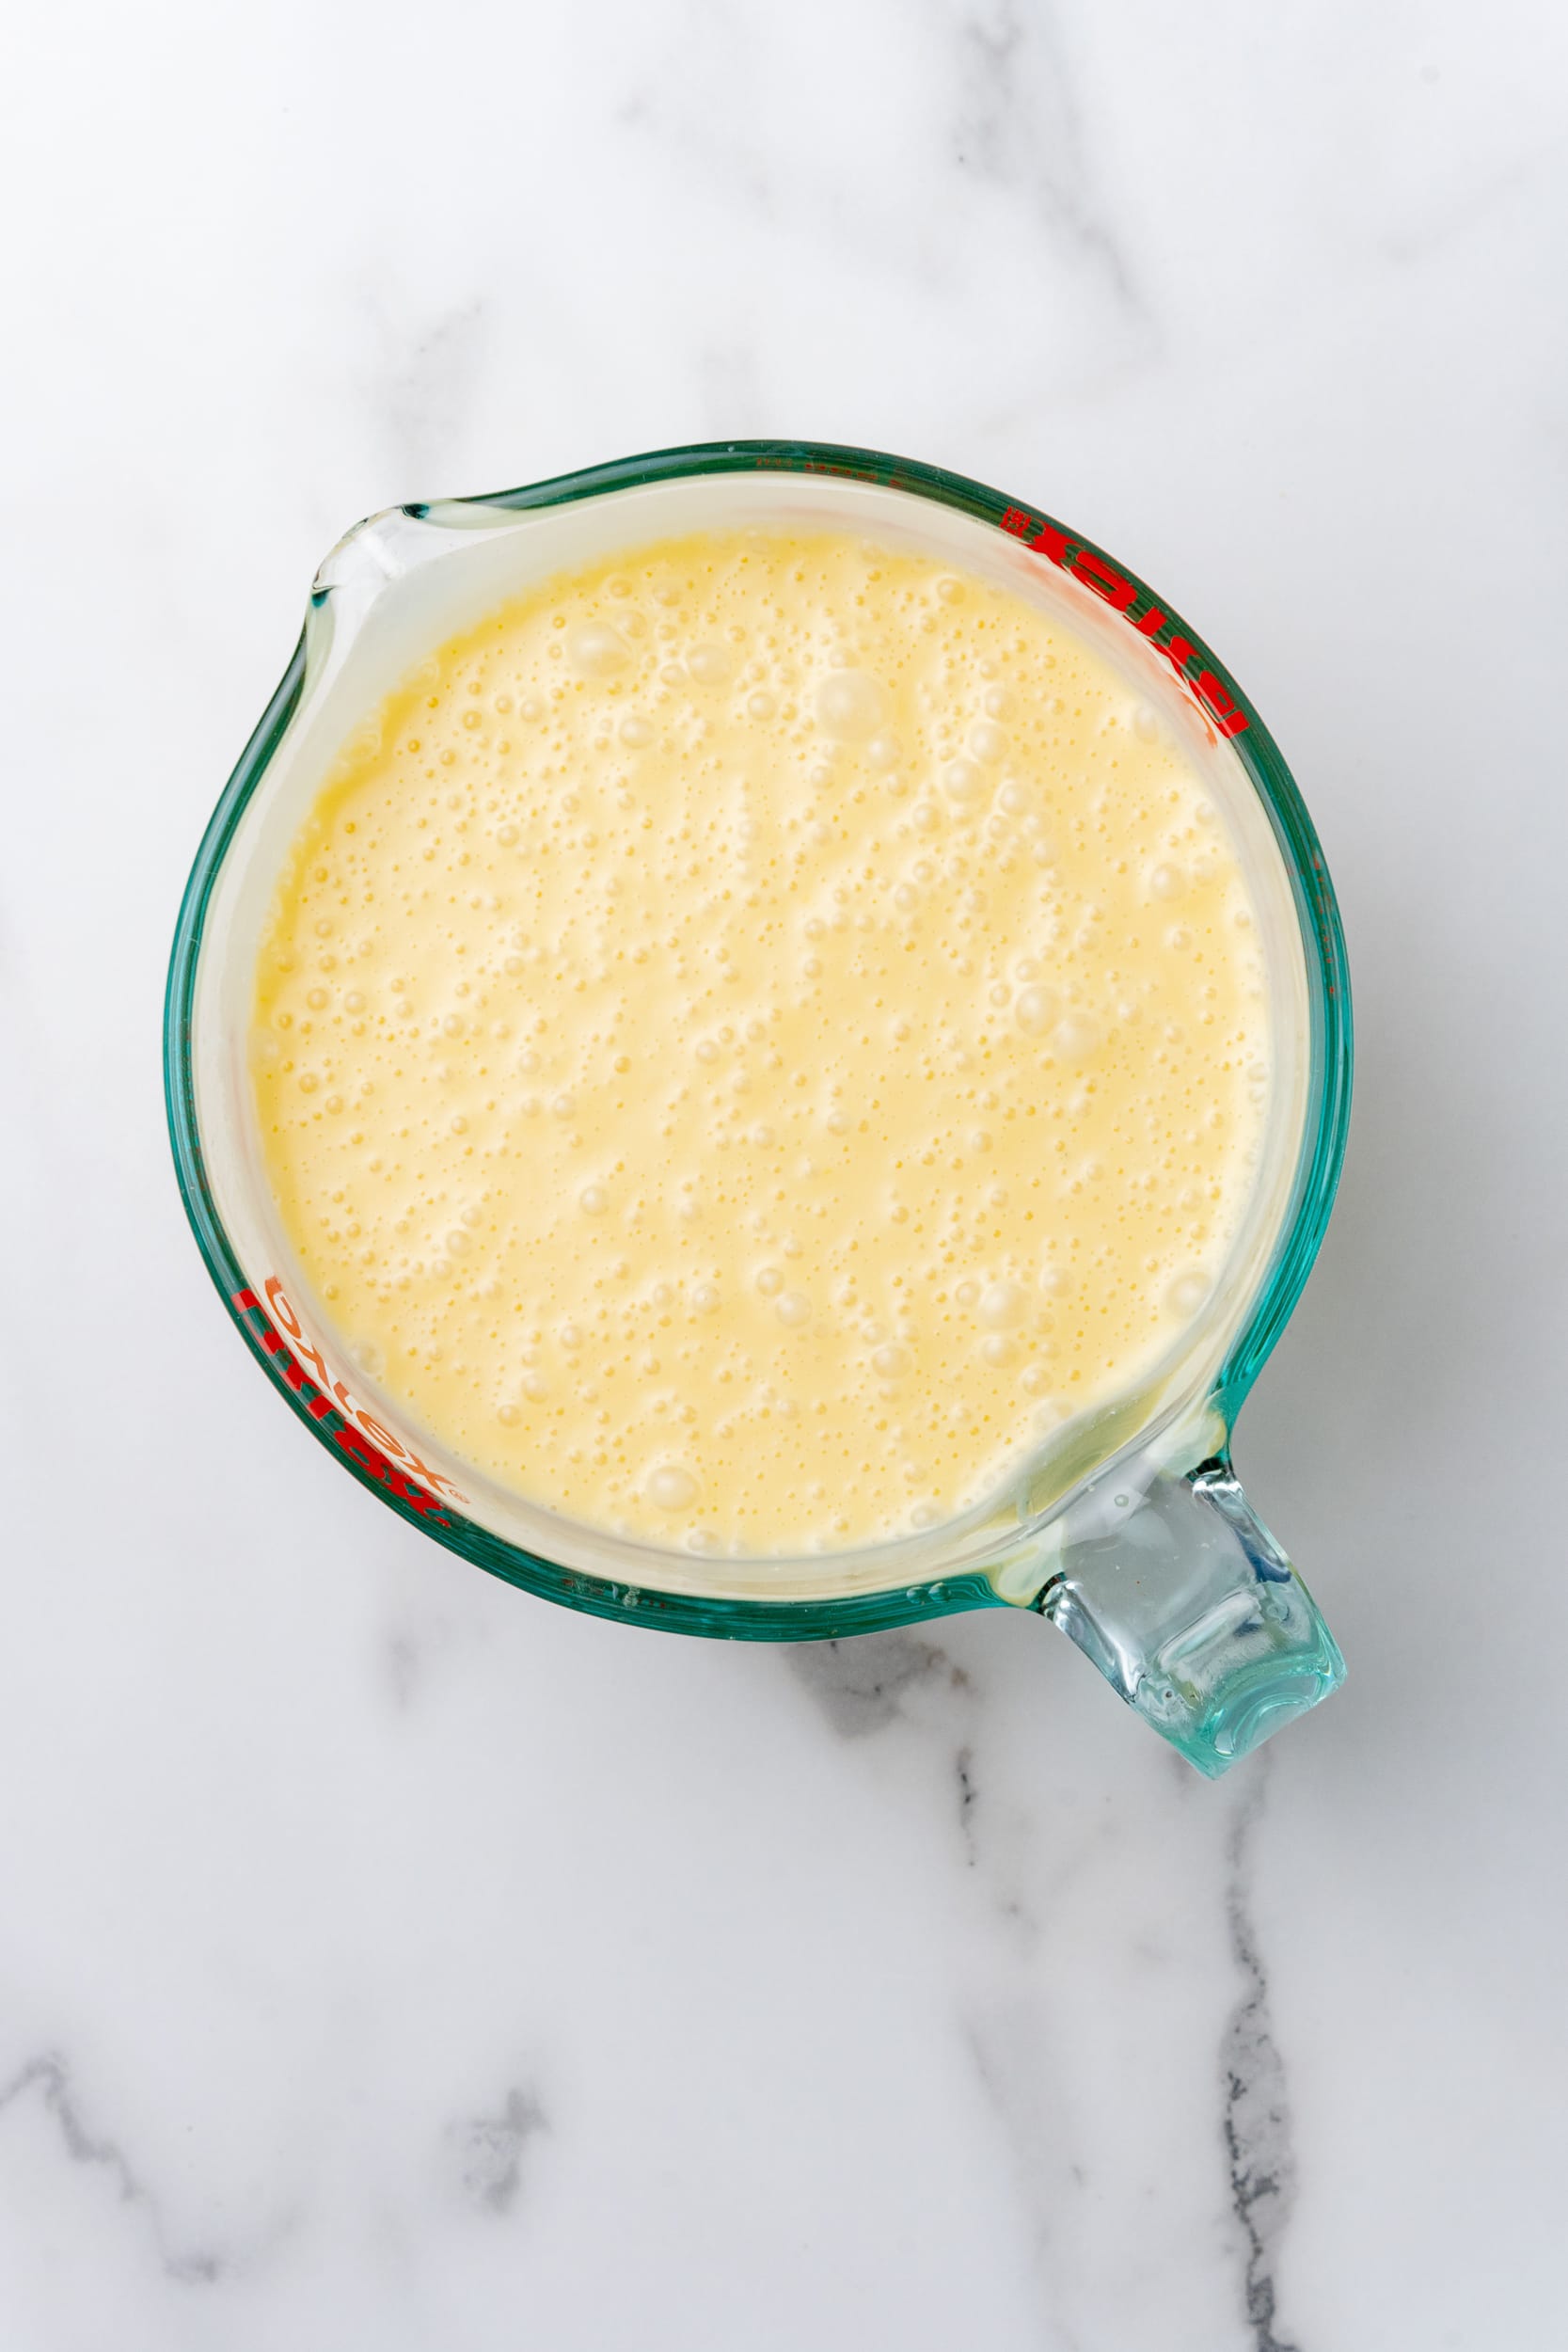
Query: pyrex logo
(357, 1432)
(1217, 705)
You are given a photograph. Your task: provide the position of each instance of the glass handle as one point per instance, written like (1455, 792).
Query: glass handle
(1175, 1588)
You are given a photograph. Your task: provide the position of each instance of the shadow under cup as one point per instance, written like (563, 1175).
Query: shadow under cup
(1126, 1527)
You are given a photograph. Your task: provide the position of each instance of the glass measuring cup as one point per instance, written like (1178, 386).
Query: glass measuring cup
(1126, 1527)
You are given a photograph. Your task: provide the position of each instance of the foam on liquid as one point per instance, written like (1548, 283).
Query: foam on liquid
(766, 1029)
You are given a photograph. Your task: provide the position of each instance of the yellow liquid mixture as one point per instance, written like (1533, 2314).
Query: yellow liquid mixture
(763, 1030)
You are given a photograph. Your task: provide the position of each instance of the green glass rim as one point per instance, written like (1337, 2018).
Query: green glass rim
(1325, 1120)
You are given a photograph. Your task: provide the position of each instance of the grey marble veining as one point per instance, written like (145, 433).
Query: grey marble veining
(46, 2080)
(490, 2149)
(387, 1960)
(1259, 2147)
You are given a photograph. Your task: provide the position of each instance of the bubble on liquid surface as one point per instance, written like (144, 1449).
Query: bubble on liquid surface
(961, 779)
(1075, 1038)
(597, 650)
(999, 1304)
(1187, 1293)
(850, 704)
(794, 1309)
(671, 1486)
(890, 1361)
(710, 664)
(1035, 1011)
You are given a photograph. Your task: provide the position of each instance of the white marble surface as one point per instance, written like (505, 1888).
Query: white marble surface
(388, 1961)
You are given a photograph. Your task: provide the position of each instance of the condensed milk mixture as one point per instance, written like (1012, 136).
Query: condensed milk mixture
(767, 1030)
